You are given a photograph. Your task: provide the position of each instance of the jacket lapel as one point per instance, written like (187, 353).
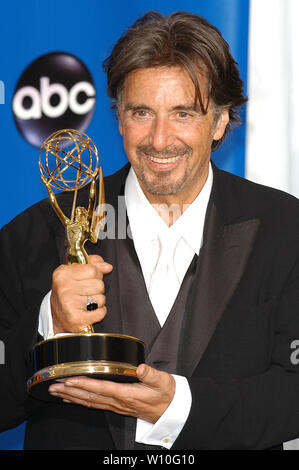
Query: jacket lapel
(221, 263)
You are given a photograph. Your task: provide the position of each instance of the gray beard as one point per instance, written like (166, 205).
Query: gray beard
(160, 186)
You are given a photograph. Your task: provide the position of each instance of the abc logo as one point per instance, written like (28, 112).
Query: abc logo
(56, 91)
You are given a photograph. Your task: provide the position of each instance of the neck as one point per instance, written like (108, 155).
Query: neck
(171, 206)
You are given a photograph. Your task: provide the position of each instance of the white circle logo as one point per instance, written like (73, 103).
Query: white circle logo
(56, 91)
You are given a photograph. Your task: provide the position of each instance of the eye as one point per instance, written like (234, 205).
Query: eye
(183, 114)
(140, 113)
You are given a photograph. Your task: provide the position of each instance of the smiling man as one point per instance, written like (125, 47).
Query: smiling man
(213, 294)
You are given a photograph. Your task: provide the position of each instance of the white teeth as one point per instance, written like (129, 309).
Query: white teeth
(164, 160)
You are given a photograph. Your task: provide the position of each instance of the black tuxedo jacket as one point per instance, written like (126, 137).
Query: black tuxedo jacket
(238, 337)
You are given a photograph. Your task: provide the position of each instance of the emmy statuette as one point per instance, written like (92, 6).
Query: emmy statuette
(68, 161)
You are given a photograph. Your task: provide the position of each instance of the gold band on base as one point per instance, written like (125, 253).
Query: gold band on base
(59, 371)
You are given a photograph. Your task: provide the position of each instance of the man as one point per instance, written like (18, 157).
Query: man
(219, 322)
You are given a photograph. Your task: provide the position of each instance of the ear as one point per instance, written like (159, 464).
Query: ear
(222, 122)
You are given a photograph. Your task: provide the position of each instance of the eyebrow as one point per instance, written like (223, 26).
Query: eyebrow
(134, 107)
(183, 107)
(190, 107)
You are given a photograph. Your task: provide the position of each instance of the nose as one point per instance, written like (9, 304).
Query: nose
(161, 133)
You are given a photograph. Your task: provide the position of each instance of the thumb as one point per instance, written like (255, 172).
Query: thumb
(148, 375)
(97, 260)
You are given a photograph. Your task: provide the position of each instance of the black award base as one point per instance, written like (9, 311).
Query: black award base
(106, 356)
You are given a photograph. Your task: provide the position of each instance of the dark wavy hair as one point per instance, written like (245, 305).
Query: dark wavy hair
(180, 39)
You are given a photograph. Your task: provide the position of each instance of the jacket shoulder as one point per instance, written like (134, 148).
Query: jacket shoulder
(41, 215)
(256, 198)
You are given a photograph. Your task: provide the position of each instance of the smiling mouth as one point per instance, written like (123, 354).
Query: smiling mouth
(164, 160)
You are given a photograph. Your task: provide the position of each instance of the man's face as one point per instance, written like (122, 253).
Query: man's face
(167, 139)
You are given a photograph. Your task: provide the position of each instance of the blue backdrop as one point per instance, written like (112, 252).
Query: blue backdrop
(88, 30)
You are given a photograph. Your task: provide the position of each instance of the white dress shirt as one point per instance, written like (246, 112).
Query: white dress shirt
(185, 239)
(185, 234)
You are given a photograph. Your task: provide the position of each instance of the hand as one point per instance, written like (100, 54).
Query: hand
(71, 284)
(147, 399)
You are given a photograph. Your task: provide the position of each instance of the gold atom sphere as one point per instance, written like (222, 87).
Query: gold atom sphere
(68, 159)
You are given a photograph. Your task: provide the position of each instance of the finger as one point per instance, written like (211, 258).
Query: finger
(72, 393)
(100, 300)
(89, 317)
(87, 287)
(86, 395)
(104, 388)
(81, 396)
(82, 318)
(86, 383)
(76, 272)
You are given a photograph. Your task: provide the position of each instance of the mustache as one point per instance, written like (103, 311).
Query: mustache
(166, 152)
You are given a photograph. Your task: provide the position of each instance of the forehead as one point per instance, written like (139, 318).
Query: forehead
(161, 84)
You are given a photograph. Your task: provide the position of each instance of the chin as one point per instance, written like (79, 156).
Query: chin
(160, 188)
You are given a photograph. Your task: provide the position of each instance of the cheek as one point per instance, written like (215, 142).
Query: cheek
(202, 138)
(196, 135)
(134, 135)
